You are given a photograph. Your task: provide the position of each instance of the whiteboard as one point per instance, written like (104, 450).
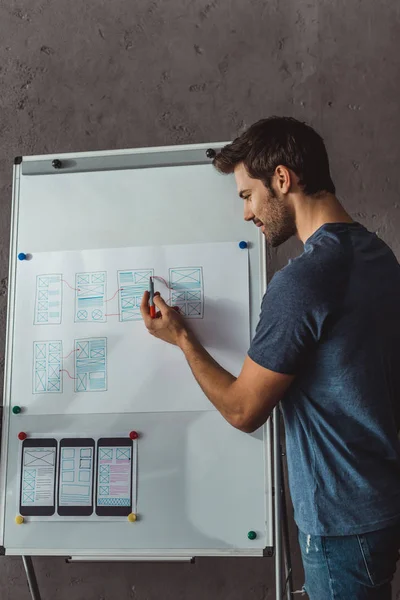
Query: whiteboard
(202, 485)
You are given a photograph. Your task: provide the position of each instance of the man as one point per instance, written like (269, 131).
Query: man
(328, 346)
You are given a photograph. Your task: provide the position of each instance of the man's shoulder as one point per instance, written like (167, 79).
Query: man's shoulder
(313, 275)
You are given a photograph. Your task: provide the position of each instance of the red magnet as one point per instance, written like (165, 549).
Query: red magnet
(22, 436)
(134, 435)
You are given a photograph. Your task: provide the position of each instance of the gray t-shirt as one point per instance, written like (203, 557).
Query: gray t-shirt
(332, 318)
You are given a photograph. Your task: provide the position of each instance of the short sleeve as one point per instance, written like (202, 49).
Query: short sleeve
(292, 315)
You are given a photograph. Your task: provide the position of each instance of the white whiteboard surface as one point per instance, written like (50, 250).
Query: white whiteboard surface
(202, 484)
(195, 488)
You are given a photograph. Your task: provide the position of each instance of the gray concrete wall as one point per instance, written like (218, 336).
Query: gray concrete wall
(81, 75)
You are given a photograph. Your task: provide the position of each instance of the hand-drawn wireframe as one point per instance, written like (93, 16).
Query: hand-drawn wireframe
(188, 291)
(132, 285)
(47, 366)
(90, 297)
(91, 365)
(38, 476)
(114, 476)
(48, 301)
(76, 475)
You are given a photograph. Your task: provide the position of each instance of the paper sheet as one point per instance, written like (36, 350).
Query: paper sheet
(38, 477)
(114, 476)
(76, 476)
(80, 345)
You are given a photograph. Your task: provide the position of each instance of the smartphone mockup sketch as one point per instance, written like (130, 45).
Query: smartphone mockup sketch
(76, 476)
(114, 477)
(38, 477)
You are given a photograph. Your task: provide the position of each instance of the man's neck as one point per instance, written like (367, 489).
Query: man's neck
(311, 213)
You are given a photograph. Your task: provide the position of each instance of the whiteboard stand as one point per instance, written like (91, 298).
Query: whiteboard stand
(91, 203)
(31, 577)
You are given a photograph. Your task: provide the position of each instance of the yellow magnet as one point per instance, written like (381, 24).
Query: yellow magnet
(132, 518)
(19, 520)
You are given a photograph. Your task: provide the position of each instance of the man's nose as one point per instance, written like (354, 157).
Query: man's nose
(248, 214)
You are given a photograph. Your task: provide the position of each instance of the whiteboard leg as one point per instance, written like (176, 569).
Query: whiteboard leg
(277, 504)
(31, 577)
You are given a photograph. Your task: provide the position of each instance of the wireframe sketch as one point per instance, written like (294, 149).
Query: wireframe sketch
(76, 476)
(38, 476)
(48, 301)
(91, 365)
(90, 297)
(132, 285)
(187, 291)
(47, 365)
(114, 476)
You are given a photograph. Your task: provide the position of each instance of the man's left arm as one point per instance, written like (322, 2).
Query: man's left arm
(245, 401)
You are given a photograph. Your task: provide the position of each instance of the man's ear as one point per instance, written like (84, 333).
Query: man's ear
(283, 179)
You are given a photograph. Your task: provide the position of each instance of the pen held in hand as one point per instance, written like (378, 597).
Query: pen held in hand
(151, 299)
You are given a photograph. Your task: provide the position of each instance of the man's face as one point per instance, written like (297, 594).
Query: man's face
(267, 209)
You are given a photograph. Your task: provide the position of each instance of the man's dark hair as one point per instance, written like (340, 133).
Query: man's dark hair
(280, 141)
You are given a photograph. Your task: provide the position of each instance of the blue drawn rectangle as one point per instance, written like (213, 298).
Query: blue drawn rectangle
(91, 365)
(85, 463)
(47, 367)
(90, 297)
(68, 465)
(29, 474)
(105, 454)
(67, 476)
(86, 453)
(29, 485)
(123, 454)
(28, 497)
(48, 301)
(84, 476)
(75, 490)
(132, 284)
(68, 452)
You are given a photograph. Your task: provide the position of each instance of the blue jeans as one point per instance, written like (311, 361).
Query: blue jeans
(350, 567)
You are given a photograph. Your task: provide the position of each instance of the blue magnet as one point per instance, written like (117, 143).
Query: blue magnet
(22, 256)
(242, 245)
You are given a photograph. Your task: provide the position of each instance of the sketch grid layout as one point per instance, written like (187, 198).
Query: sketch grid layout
(48, 300)
(47, 366)
(132, 285)
(188, 291)
(76, 474)
(90, 297)
(91, 365)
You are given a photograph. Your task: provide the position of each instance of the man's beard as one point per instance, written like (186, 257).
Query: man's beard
(279, 223)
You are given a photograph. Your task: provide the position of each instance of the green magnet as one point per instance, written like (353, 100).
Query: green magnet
(252, 535)
(16, 410)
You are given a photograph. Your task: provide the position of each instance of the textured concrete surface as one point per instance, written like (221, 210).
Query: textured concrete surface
(127, 73)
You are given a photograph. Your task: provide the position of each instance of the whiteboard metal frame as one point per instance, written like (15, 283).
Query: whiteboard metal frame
(105, 160)
(9, 345)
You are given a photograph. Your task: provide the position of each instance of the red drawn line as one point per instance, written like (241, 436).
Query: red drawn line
(113, 315)
(68, 355)
(112, 298)
(163, 280)
(65, 371)
(70, 286)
